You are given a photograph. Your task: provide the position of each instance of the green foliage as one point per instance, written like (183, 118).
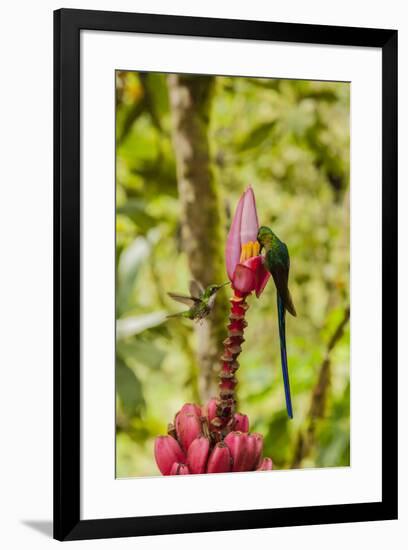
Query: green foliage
(129, 389)
(289, 139)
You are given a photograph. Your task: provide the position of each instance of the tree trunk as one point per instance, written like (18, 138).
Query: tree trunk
(201, 225)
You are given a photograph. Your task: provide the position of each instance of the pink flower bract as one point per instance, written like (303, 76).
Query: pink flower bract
(246, 275)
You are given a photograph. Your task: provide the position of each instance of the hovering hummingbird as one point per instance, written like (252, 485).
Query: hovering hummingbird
(200, 302)
(277, 263)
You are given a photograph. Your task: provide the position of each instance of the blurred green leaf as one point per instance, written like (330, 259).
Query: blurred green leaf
(257, 136)
(276, 441)
(146, 353)
(130, 261)
(155, 85)
(130, 326)
(135, 209)
(129, 389)
(126, 118)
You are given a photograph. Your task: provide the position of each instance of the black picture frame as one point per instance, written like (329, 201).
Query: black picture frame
(67, 26)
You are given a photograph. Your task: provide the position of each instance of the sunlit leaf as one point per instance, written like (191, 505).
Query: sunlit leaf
(130, 261)
(130, 326)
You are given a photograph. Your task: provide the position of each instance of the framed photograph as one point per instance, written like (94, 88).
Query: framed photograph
(225, 306)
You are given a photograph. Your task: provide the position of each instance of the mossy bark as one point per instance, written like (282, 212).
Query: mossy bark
(201, 222)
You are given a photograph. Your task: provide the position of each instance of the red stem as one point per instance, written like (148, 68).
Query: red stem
(224, 421)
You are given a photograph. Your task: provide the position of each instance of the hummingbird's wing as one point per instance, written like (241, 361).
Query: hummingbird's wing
(195, 288)
(280, 274)
(186, 300)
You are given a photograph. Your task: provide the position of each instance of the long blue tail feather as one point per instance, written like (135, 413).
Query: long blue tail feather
(284, 359)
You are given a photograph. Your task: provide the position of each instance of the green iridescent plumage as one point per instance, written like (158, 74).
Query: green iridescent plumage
(201, 301)
(277, 262)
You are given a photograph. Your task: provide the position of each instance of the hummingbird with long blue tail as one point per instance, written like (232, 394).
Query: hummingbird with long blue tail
(200, 302)
(277, 262)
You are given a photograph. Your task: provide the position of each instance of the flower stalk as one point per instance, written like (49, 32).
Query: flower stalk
(247, 274)
(224, 419)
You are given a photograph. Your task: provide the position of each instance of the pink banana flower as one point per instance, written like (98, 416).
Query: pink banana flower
(246, 271)
(220, 460)
(167, 451)
(188, 427)
(266, 464)
(192, 447)
(197, 455)
(179, 469)
(244, 263)
(241, 422)
(215, 438)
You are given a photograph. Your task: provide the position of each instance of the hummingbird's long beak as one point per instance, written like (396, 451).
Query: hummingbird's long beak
(223, 284)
